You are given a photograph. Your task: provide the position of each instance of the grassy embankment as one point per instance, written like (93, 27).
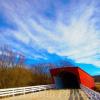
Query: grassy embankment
(97, 87)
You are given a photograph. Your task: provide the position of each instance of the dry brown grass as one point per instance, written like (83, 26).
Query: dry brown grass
(97, 87)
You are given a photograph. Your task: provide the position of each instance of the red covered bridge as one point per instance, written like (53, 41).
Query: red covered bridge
(71, 77)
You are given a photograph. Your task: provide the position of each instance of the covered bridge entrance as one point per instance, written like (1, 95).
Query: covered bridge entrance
(71, 78)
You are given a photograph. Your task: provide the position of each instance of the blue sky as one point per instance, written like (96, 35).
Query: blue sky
(53, 30)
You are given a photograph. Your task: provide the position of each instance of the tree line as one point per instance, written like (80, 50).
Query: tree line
(14, 72)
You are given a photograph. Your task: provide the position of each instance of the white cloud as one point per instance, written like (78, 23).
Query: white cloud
(77, 39)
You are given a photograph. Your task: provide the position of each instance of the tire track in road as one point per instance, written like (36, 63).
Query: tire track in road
(70, 97)
(80, 96)
(83, 95)
(76, 95)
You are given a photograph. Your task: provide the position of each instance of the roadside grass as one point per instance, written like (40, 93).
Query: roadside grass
(97, 87)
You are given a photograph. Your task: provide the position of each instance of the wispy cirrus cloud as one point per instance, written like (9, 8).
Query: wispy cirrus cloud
(64, 27)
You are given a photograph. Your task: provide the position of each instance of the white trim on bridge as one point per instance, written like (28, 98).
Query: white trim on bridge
(93, 95)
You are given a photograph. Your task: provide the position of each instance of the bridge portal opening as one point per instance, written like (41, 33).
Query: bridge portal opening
(67, 80)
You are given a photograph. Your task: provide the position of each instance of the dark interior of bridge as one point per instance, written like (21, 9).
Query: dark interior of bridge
(69, 80)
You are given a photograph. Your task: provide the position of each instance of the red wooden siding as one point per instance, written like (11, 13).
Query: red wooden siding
(83, 77)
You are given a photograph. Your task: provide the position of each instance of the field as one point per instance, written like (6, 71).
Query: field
(97, 87)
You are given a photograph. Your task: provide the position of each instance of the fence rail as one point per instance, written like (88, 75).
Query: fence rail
(93, 95)
(24, 90)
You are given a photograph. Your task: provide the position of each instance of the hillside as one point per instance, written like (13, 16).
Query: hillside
(97, 78)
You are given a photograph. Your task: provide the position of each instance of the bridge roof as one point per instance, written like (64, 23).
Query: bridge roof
(65, 69)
